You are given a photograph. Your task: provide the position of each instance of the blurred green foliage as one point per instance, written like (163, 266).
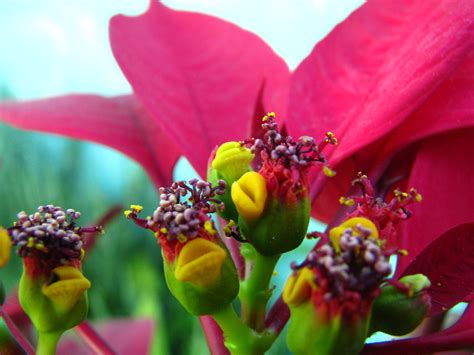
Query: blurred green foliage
(125, 266)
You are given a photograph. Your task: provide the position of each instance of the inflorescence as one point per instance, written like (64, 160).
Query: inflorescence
(184, 209)
(284, 150)
(360, 265)
(50, 233)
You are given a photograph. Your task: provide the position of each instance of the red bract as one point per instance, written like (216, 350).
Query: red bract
(394, 82)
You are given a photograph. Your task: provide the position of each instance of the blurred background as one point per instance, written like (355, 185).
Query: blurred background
(53, 47)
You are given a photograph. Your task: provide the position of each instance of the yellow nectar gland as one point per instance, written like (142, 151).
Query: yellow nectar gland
(352, 223)
(232, 160)
(298, 287)
(70, 286)
(200, 262)
(5, 247)
(249, 195)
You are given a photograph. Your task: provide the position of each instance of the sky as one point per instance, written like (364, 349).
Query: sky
(51, 47)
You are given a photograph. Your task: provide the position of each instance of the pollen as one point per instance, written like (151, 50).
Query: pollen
(331, 138)
(127, 213)
(208, 226)
(328, 171)
(346, 201)
(136, 208)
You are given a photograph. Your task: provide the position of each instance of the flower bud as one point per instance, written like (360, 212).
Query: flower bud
(319, 330)
(198, 268)
(272, 225)
(52, 289)
(399, 311)
(55, 302)
(203, 278)
(5, 247)
(229, 162)
(331, 293)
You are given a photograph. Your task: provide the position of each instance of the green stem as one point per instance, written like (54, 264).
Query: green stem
(254, 290)
(240, 339)
(47, 343)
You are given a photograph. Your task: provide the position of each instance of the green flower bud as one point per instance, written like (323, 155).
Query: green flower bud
(230, 161)
(203, 277)
(55, 302)
(271, 224)
(318, 326)
(397, 311)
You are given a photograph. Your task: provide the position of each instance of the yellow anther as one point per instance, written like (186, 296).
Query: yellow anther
(182, 238)
(249, 195)
(418, 197)
(268, 115)
(83, 253)
(31, 242)
(127, 213)
(328, 171)
(209, 227)
(136, 208)
(163, 230)
(298, 287)
(70, 286)
(200, 262)
(346, 201)
(232, 160)
(402, 252)
(39, 246)
(5, 247)
(228, 227)
(331, 138)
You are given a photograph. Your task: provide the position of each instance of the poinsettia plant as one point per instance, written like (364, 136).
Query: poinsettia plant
(393, 84)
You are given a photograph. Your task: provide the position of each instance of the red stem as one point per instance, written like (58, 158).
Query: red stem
(277, 316)
(17, 334)
(214, 336)
(93, 339)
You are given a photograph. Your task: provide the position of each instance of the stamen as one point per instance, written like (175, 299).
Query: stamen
(357, 264)
(385, 215)
(184, 210)
(50, 233)
(282, 149)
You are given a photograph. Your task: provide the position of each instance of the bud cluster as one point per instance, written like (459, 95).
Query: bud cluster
(51, 233)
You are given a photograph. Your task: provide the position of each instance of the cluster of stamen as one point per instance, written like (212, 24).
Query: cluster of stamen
(184, 210)
(50, 233)
(357, 264)
(384, 214)
(284, 150)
